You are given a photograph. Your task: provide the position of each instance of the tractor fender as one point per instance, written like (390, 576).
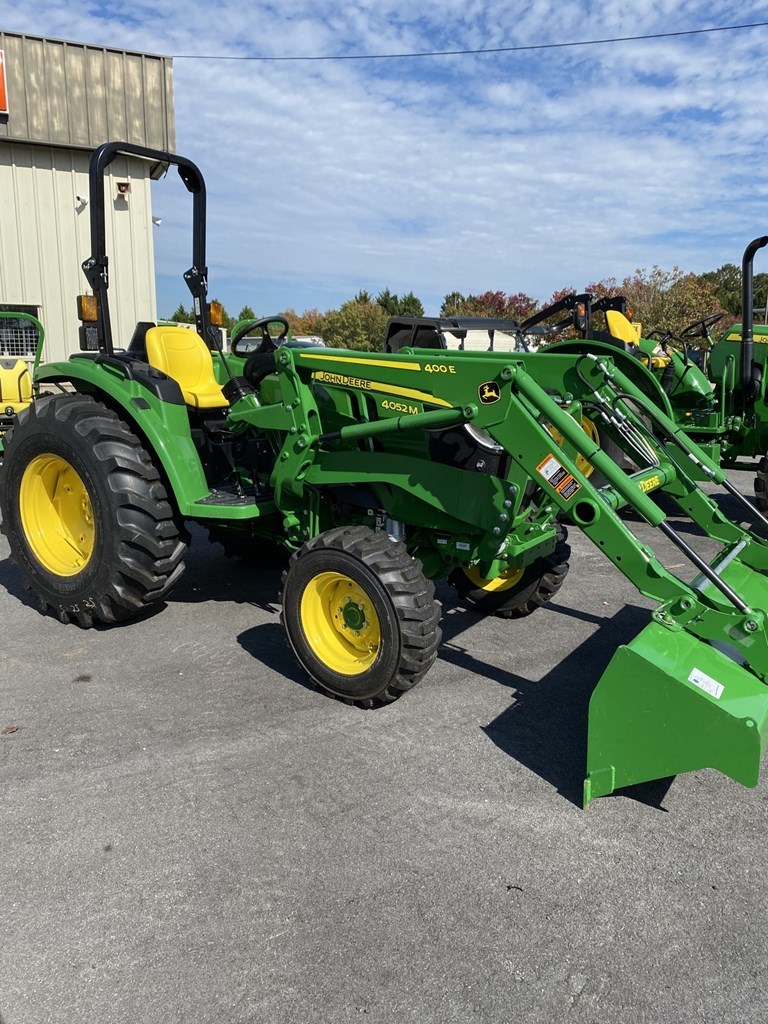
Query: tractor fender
(151, 404)
(639, 374)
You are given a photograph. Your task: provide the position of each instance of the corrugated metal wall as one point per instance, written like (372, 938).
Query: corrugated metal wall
(76, 95)
(44, 239)
(64, 100)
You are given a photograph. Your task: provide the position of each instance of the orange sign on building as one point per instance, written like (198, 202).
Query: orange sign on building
(3, 88)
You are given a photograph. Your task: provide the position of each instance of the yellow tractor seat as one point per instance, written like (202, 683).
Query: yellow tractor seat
(620, 328)
(15, 386)
(183, 355)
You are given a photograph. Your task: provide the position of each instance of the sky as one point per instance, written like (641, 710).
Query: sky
(520, 171)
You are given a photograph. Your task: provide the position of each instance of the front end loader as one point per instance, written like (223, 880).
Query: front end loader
(377, 474)
(721, 404)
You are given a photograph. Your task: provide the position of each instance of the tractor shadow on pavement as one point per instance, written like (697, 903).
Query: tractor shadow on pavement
(10, 581)
(268, 644)
(545, 729)
(211, 576)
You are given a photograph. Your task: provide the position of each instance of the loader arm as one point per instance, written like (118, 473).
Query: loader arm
(695, 678)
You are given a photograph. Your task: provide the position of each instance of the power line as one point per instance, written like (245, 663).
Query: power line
(464, 53)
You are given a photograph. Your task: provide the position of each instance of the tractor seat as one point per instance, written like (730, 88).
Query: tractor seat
(620, 328)
(15, 385)
(622, 333)
(183, 355)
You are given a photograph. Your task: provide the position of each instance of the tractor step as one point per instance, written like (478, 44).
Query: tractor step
(231, 495)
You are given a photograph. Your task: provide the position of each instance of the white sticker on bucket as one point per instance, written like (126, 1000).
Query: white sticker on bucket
(706, 683)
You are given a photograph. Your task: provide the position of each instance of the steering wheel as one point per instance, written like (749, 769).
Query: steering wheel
(700, 328)
(267, 343)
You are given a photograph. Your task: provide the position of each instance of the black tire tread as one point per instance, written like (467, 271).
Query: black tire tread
(761, 485)
(150, 546)
(552, 570)
(411, 593)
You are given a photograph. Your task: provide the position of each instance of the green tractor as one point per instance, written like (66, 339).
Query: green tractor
(16, 387)
(377, 474)
(722, 404)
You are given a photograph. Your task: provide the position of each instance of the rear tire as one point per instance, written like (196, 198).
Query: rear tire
(360, 615)
(86, 515)
(518, 592)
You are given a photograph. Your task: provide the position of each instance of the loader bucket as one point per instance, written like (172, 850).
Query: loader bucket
(671, 703)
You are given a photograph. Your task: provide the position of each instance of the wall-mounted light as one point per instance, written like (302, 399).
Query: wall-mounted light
(123, 189)
(157, 221)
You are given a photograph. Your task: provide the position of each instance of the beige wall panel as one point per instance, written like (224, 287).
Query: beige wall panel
(45, 236)
(65, 99)
(34, 92)
(71, 94)
(117, 121)
(134, 91)
(154, 97)
(10, 270)
(77, 95)
(14, 73)
(96, 84)
(55, 94)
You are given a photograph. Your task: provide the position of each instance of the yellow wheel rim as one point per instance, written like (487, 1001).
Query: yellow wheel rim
(340, 623)
(591, 431)
(56, 515)
(508, 579)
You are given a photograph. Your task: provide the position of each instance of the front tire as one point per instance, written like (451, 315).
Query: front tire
(360, 615)
(517, 592)
(86, 515)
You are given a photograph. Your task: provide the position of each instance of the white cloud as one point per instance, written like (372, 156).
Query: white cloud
(528, 171)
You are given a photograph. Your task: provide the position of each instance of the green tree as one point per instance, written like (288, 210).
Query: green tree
(760, 290)
(668, 299)
(311, 321)
(356, 325)
(393, 305)
(452, 303)
(410, 305)
(181, 315)
(494, 304)
(389, 302)
(246, 313)
(727, 284)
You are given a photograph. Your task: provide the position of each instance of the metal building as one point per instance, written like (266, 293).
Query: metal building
(58, 101)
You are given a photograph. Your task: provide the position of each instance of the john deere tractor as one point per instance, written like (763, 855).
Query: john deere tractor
(723, 403)
(378, 474)
(16, 388)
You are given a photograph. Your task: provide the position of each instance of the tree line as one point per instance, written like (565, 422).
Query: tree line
(665, 300)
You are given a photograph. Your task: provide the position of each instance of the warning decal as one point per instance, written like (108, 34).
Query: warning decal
(706, 683)
(558, 477)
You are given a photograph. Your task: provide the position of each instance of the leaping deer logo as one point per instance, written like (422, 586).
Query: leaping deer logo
(489, 392)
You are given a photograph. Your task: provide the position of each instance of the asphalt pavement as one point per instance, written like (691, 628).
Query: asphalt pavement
(189, 832)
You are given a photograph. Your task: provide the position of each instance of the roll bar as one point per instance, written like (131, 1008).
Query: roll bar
(96, 267)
